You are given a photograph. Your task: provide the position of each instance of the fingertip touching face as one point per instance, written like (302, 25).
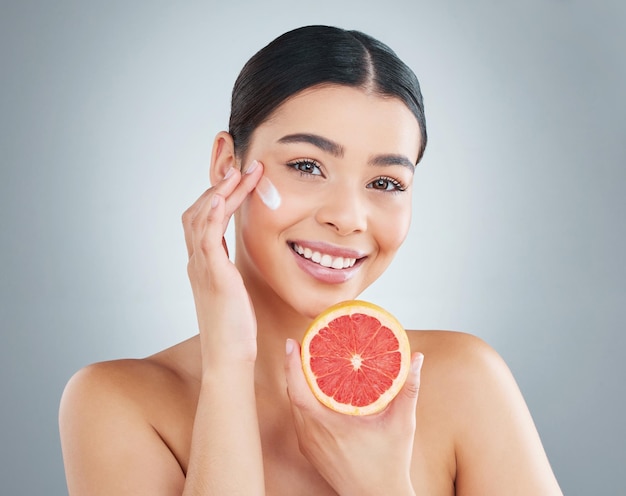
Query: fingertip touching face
(342, 160)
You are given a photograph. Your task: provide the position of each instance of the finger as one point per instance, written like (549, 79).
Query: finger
(297, 388)
(211, 242)
(224, 187)
(249, 179)
(235, 188)
(406, 401)
(187, 219)
(193, 218)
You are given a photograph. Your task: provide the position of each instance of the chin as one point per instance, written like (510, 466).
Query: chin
(315, 306)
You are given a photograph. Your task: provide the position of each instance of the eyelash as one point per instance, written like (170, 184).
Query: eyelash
(398, 187)
(297, 165)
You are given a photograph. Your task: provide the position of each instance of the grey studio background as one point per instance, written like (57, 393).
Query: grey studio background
(108, 111)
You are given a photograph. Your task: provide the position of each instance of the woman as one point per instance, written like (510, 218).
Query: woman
(317, 167)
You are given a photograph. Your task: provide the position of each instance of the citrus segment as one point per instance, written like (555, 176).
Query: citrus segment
(355, 357)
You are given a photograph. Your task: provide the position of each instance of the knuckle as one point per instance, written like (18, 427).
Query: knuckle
(412, 390)
(191, 274)
(297, 401)
(186, 217)
(194, 221)
(303, 448)
(205, 245)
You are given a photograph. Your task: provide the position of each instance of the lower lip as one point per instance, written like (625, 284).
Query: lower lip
(323, 274)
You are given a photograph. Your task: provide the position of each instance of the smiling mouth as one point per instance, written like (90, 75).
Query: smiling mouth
(325, 259)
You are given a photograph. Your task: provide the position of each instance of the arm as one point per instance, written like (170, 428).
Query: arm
(112, 446)
(226, 439)
(226, 453)
(109, 444)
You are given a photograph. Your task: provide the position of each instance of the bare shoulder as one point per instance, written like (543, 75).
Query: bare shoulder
(476, 398)
(466, 376)
(113, 422)
(117, 380)
(130, 384)
(458, 367)
(452, 344)
(456, 355)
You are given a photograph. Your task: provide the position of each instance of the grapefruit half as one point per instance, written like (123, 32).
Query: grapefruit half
(356, 357)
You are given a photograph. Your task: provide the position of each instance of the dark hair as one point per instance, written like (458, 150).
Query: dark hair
(314, 55)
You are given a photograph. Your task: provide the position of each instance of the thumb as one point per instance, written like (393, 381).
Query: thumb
(297, 387)
(407, 397)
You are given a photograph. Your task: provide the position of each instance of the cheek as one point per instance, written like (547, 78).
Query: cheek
(255, 236)
(392, 227)
(255, 220)
(259, 225)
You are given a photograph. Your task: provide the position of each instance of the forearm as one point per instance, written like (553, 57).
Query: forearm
(390, 484)
(226, 455)
(393, 487)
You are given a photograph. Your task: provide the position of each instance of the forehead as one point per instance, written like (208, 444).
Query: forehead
(356, 118)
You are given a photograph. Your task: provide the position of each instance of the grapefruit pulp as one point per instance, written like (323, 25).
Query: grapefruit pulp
(356, 357)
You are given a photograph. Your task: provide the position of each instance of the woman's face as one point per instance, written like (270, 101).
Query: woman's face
(342, 161)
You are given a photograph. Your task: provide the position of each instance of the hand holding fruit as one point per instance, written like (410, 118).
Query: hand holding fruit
(357, 453)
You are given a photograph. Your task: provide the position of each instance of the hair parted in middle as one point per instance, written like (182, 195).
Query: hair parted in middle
(317, 55)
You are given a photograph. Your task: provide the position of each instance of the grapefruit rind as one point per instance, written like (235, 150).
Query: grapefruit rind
(387, 320)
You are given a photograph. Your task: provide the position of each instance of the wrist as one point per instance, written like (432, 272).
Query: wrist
(227, 373)
(391, 487)
(223, 354)
(224, 359)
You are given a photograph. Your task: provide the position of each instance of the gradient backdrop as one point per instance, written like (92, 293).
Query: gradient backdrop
(107, 114)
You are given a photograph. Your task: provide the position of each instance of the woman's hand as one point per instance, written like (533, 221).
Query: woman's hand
(226, 440)
(356, 455)
(225, 314)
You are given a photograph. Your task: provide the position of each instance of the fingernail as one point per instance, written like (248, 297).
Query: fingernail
(289, 346)
(214, 201)
(252, 167)
(268, 193)
(416, 364)
(229, 173)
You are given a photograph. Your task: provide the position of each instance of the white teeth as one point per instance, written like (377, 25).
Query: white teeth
(324, 259)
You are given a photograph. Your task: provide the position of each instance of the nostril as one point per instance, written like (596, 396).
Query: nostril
(342, 212)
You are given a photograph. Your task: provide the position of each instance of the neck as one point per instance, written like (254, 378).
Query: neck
(276, 321)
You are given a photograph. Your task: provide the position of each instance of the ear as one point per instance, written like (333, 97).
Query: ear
(222, 156)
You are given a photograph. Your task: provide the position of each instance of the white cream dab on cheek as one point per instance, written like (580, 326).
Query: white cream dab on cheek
(268, 193)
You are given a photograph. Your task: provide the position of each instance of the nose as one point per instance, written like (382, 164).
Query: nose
(343, 211)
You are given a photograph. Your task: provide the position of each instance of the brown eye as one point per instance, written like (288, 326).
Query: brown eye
(306, 167)
(386, 184)
(381, 184)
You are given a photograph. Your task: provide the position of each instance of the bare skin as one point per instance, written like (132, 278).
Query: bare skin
(229, 412)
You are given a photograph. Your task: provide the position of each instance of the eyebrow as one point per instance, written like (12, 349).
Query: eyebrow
(393, 159)
(320, 142)
(337, 150)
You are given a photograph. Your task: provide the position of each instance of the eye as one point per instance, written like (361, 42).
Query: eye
(306, 167)
(386, 184)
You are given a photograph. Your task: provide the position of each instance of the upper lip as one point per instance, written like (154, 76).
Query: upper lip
(330, 249)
